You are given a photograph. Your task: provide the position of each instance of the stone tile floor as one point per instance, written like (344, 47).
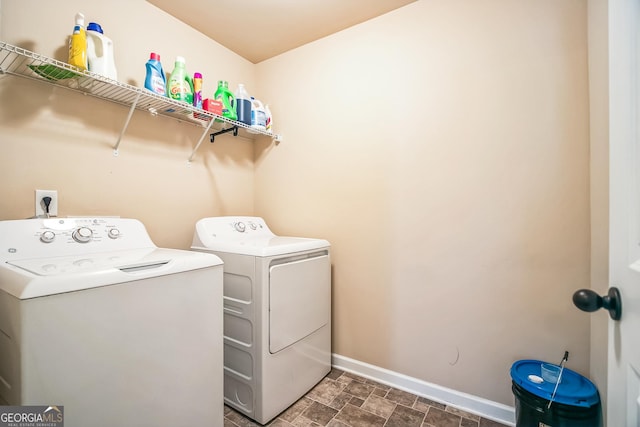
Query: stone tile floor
(343, 399)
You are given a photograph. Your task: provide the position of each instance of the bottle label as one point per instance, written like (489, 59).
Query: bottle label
(78, 52)
(258, 118)
(227, 105)
(197, 99)
(157, 83)
(180, 91)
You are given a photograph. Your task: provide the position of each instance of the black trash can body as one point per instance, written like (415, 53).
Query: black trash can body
(575, 404)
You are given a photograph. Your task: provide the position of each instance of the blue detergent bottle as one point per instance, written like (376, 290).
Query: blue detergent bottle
(155, 81)
(242, 103)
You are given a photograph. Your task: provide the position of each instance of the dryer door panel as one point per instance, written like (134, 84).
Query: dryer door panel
(299, 300)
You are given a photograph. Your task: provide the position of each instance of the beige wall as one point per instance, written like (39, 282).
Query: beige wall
(443, 149)
(55, 139)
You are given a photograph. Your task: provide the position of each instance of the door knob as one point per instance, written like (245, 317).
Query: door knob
(588, 300)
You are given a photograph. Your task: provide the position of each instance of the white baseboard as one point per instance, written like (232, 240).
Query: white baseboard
(476, 405)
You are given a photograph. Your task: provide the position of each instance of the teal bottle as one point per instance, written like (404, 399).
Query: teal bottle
(224, 95)
(155, 80)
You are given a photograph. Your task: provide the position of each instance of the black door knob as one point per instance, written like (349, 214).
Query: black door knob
(588, 300)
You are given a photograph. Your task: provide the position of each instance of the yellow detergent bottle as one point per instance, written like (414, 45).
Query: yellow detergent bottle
(78, 44)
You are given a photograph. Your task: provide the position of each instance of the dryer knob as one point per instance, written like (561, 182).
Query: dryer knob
(240, 226)
(113, 233)
(82, 235)
(47, 236)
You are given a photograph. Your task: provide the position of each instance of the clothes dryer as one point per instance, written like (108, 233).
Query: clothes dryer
(277, 313)
(96, 319)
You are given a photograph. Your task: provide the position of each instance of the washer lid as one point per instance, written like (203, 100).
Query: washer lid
(87, 263)
(37, 277)
(574, 389)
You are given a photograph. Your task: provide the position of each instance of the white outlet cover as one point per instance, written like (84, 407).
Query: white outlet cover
(53, 206)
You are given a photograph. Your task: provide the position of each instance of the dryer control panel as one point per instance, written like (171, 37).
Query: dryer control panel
(236, 228)
(250, 226)
(247, 235)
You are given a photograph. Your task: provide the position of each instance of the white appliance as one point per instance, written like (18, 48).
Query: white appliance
(96, 318)
(277, 313)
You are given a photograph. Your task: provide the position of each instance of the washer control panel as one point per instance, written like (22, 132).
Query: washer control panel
(69, 236)
(80, 230)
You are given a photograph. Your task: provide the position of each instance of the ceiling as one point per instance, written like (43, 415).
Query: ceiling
(261, 29)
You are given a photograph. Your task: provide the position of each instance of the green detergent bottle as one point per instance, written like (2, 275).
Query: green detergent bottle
(180, 85)
(224, 95)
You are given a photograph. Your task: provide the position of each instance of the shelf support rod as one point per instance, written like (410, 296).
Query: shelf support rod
(193, 153)
(234, 129)
(126, 124)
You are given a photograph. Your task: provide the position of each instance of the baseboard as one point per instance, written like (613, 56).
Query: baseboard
(467, 402)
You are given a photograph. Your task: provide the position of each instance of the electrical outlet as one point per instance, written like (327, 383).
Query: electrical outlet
(41, 211)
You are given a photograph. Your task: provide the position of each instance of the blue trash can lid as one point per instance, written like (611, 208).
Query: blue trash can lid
(574, 389)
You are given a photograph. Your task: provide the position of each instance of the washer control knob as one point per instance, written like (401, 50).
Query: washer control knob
(240, 227)
(47, 236)
(113, 233)
(253, 225)
(82, 235)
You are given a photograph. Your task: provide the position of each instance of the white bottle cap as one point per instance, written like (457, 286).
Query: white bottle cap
(80, 19)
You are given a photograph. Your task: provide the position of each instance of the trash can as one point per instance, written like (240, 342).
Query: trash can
(576, 402)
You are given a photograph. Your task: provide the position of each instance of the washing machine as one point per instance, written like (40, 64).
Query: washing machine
(277, 313)
(97, 319)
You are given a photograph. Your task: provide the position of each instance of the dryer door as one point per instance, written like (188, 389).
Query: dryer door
(299, 300)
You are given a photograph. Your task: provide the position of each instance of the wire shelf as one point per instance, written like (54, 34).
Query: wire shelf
(24, 63)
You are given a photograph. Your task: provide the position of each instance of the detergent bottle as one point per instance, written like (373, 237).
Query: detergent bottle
(243, 105)
(155, 80)
(258, 115)
(269, 118)
(197, 90)
(78, 44)
(100, 52)
(180, 85)
(224, 95)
